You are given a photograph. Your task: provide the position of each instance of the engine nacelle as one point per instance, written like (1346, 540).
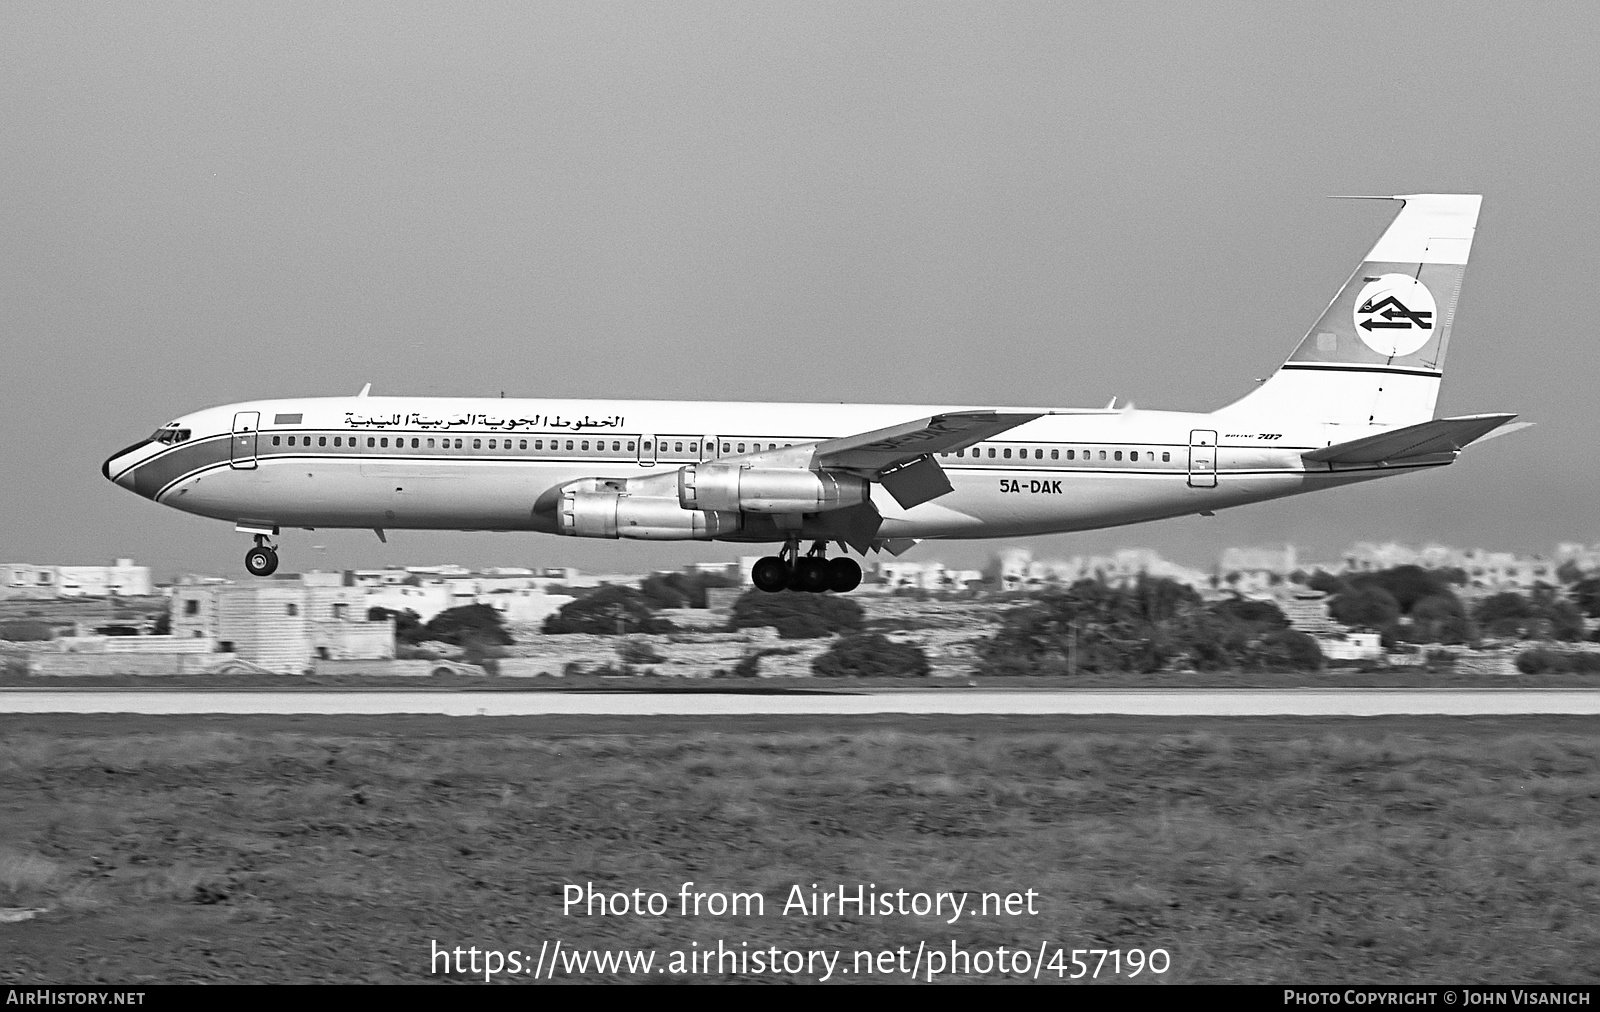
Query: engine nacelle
(767, 489)
(647, 518)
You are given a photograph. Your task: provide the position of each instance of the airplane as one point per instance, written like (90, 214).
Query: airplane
(1354, 402)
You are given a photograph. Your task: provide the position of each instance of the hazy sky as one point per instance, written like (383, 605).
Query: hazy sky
(1038, 204)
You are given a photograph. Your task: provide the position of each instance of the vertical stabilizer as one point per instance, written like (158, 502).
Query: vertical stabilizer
(1376, 355)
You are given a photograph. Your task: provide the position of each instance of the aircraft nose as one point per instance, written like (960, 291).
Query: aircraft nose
(123, 475)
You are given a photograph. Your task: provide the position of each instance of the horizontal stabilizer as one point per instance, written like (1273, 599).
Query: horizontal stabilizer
(1441, 435)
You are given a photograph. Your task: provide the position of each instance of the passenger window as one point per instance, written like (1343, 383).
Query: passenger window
(991, 451)
(1118, 455)
(338, 440)
(1102, 455)
(741, 447)
(630, 446)
(371, 442)
(569, 444)
(1038, 454)
(1166, 456)
(492, 444)
(1134, 455)
(694, 447)
(724, 447)
(616, 446)
(322, 440)
(1055, 454)
(1007, 453)
(416, 444)
(677, 447)
(384, 442)
(585, 445)
(275, 440)
(522, 444)
(430, 444)
(477, 444)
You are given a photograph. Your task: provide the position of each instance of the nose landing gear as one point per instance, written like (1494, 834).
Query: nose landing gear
(813, 573)
(262, 560)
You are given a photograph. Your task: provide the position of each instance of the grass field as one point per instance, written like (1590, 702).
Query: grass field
(1254, 850)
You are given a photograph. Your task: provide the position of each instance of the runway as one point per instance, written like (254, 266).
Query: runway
(1318, 702)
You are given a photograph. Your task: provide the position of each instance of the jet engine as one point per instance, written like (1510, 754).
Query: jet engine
(731, 487)
(647, 518)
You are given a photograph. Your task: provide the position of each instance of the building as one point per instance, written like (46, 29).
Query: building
(1351, 647)
(894, 574)
(282, 625)
(1484, 571)
(120, 579)
(1016, 569)
(1256, 571)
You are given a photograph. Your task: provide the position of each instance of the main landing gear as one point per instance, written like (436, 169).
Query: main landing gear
(262, 560)
(813, 573)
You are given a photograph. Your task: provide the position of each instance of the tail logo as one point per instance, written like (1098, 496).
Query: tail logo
(1394, 315)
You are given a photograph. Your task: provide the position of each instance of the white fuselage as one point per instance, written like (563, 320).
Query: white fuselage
(482, 464)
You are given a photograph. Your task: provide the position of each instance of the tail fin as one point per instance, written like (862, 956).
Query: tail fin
(1376, 356)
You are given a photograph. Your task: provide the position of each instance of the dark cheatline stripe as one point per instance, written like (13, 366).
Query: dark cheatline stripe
(105, 468)
(162, 470)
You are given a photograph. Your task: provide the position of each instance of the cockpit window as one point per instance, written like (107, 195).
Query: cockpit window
(167, 434)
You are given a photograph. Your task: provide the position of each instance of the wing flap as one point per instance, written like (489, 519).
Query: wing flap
(1441, 435)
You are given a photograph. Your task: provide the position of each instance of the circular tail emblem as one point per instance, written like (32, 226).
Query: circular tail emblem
(1395, 315)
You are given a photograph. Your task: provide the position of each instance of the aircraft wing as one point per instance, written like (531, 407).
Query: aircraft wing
(884, 449)
(1441, 435)
(900, 457)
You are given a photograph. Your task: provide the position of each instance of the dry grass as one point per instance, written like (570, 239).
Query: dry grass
(1467, 855)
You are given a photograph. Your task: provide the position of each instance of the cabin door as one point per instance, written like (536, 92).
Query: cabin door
(242, 455)
(1203, 458)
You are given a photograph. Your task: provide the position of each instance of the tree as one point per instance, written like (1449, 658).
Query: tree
(1326, 582)
(609, 611)
(871, 654)
(796, 615)
(1092, 626)
(1439, 619)
(681, 590)
(469, 625)
(1408, 584)
(408, 627)
(1365, 605)
(1587, 595)
(1539, 615)
(1289, 649)
(1255, 612)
